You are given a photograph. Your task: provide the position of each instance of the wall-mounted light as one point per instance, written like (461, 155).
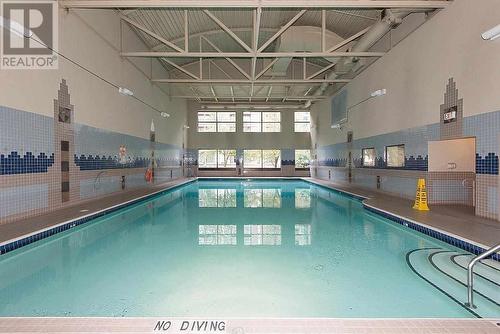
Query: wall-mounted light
(374, 94)
(491, 34)
(379, 92)
(125, 91)
(15, 28)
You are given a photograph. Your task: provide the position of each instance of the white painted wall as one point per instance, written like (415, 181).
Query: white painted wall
(415, 73)
(92, 38)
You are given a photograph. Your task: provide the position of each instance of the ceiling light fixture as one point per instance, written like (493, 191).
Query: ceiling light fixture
(164, 114)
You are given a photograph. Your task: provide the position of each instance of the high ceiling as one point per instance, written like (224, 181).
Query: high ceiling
(256, 51)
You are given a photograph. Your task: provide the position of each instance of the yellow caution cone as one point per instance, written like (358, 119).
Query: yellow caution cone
(421, 197)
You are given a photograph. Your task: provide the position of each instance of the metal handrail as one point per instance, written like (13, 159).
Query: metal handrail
(470, 274)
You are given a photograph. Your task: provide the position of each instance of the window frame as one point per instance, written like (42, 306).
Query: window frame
(387, 157)
(262, 168)
(217, 167)
(295, 122)
(363, 156)
(295, 159)
(261, 122)
(207, 168)
(216, 121)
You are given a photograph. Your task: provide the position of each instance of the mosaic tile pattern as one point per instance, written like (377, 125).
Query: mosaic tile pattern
(16, 164)
(451, 129)
(457, 189)
(48, 162)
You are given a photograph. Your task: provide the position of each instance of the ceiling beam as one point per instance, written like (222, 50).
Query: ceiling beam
(226, 29)
(431, 4)
(265, 69)
(186, 31)
(282, 30)
(256, 82)
(230, 97)
(150, 33)
(236, 66)
(320, 71)
(182, 69)
(158, 54)
(348, 40)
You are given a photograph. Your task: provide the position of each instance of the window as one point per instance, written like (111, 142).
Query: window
(395, 155)
(252, 158)
(216, 121)
(254, 235)
(256, 121)
(368, 156)
(217, 235)
(216, 159)
(302, 158)
(207, 158)
(302, 121)
(226, 159)
(271, 158)
(262, 158)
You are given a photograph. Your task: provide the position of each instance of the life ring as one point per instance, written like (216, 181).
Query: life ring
(149, 175)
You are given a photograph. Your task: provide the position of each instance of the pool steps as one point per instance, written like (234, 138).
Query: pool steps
(489, 269)
(437, 268)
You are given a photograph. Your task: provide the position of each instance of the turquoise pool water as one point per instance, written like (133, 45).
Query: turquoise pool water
(237, 248)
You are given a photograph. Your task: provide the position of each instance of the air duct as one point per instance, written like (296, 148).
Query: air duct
(301, 39)
(389, 20)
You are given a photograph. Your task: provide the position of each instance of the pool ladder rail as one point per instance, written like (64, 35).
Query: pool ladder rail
(470, 274)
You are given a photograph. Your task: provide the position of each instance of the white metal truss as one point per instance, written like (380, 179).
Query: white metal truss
(252, 53)
(432, 4)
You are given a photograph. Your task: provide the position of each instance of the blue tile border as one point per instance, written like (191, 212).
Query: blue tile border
(432, 233)
(6, 248)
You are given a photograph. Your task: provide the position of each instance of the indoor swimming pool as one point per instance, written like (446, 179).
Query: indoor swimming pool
(243, 248)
